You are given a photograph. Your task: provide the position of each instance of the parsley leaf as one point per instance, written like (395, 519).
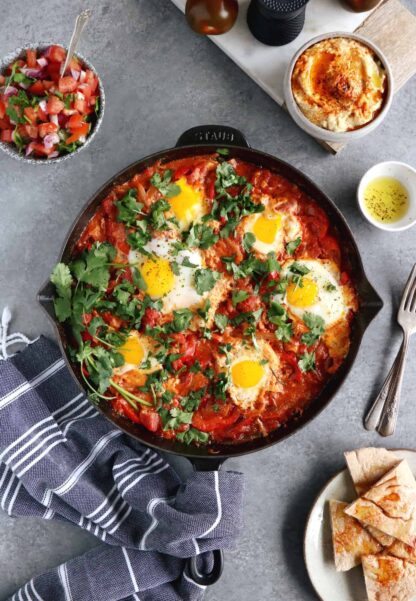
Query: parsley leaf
(316, 327)
(221, 385)
(277, 315)
(223, 151)
(192, 435)
(200, 235)
(248, 241)
(157, 218)
(307, 362)
(292, 246)
(221, 321)
(93, 266)
(181, 320)
(128, 208)
(238, 296)
(205, 280)
(298, 271)
(62, 279)
(272, 262)
(138, 239)
(174, 417)
(163, 183)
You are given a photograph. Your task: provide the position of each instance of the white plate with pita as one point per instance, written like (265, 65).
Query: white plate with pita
(318, 551)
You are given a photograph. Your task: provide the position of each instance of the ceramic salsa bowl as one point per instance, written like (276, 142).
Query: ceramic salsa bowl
(11, 149)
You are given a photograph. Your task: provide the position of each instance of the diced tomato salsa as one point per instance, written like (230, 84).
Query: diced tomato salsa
(45, 115)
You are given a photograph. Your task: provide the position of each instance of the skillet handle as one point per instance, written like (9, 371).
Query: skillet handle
(191, 568)
(45, 298)
(213, 134)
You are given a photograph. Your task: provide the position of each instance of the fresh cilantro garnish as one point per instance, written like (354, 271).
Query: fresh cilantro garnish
(277, 315)
(273, 264)
(248, 241)
(181, 320)
(172, 418)
(163, 183)
(174, 265)
(192, 400)
(62, 279)
(68, 148)
(281, 285)
(138, 239)
(187, 263)
(298, 271)
(200, 235)
(316, 327)
(229, 207)
(138, 279)
(306, 362)
(97, 105)
(223, 151)
(238, 296)
(157, 218)
(10, 77)
(203, 311)
(220, 386)
(24, 79)
(205, 280)
(192, 435)
(69, 99)
(128, 208)
(93, 265)
(221, 321)
(292, 246)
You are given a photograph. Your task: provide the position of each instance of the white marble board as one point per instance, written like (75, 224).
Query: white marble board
(266, 65)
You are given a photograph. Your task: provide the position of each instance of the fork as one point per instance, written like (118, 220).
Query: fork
(383, 413)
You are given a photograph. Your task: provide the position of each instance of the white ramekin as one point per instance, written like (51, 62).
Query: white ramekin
(407, 176)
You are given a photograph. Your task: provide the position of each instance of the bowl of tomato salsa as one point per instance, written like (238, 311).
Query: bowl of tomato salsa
(46, 118)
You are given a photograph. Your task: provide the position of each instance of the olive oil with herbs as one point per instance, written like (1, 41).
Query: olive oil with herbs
(386, 199)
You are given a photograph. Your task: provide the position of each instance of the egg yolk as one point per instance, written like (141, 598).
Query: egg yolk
(247, 373)
(158, 276)
(266, 228)
(132, 350)
(302, 296)
(188, 204)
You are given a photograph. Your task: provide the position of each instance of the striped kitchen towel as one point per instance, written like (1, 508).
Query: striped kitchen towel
(60, 459)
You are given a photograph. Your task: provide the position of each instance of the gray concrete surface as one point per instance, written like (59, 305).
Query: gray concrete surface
(161, 79)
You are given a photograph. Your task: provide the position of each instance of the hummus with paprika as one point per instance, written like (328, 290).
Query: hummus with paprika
(339, 84)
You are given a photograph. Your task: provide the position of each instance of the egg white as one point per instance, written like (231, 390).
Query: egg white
(183, 293)
(289, 229)
(246, 397)
(330, 303)
(148, 364)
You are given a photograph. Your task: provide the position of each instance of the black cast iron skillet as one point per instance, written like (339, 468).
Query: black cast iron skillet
(202, 140)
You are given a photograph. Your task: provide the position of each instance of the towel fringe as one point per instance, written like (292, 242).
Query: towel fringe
(6, 339)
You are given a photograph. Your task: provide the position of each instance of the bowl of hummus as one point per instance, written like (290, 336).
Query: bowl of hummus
(338, 87)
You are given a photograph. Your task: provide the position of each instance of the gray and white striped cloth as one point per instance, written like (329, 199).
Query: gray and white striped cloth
(60, 459)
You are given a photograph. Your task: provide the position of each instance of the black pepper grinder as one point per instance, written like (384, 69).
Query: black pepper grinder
(276, 22)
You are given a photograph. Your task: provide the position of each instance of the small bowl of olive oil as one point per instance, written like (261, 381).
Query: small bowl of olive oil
(387, 196)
